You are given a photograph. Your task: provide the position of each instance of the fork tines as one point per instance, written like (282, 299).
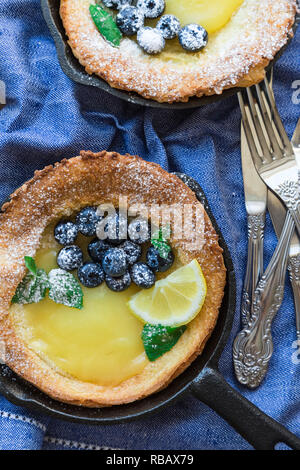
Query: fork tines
(264, 130)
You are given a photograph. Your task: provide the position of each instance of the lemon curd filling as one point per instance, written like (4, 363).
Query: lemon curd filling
(100, 344)
(213, 15)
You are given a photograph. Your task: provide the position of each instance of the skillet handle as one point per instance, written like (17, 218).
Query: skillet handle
(261, 431)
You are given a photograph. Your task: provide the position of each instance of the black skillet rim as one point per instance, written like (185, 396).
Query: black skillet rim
(72, 68)
(22, 393)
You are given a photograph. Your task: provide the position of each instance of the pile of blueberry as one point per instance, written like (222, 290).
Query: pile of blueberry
(115, 259)
(130, 21)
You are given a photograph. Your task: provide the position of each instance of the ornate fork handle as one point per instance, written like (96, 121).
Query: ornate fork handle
(256, 226)
(294, 272)
(253, 347)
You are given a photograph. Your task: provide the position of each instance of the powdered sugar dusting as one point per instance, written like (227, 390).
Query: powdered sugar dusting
(151, 40)
(64, 288)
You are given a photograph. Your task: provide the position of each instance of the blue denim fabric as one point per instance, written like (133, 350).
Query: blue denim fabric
(48, 117)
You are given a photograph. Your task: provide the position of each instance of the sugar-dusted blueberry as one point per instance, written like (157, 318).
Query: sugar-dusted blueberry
(139, 231)
(91, 274)
(129, 20)
(132, 250)
(152, 8)
(114, 262)
(70, 257)
(97, 248)
(118, 284)
(156, 262)
(87, 221)
(113, 229)
(151, 40)
(142, 275)
(193, 37)
(169, 26)
(65, 232)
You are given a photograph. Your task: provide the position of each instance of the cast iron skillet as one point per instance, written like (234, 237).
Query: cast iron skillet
(201, 378)
(76, 72)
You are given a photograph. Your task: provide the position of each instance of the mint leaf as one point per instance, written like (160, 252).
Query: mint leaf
(32, 288)
(160, 242)
(65, 289)
(160, 339)
(30, 264)
(162, 247)
(106, 25)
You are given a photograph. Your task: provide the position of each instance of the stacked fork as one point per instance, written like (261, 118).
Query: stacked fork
(271, 176)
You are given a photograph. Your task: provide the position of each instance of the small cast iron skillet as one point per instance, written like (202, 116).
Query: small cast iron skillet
(201, 378)
(76, 71)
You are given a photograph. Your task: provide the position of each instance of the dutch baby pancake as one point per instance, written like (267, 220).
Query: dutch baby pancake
(171, 50)
(99, 318)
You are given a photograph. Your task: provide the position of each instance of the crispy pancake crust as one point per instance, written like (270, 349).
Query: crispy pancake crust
(60, 191)
(236, 56)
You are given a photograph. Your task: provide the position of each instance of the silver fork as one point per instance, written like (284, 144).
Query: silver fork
(277, 212)
(253, 347)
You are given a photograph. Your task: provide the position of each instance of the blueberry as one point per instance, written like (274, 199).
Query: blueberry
(87, 221)
(152, 8)
(139, 231)
(156, 262)
(114, 262)
(151, 40)
(91, 274)
(132, 251)
(65, 232)
(169, 26)
(118, 284)
(129, 20)
(70, 257)
(116, 4)
(193, 37)
(97, 248)
(142, 275)
(114, 229)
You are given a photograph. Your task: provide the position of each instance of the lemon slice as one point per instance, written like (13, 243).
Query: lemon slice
(174, 300)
